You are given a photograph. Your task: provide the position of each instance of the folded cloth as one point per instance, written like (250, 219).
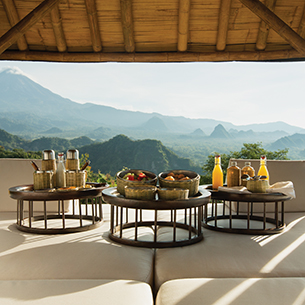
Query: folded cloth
(234, 189)
(284, 187)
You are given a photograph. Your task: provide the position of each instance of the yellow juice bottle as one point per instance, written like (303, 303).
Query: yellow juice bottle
(217, 174)
(263, 171)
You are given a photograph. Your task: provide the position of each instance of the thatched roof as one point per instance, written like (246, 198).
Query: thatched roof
(152, 30)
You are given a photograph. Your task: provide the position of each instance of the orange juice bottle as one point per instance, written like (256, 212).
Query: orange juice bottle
(263, 171)
(217, 174)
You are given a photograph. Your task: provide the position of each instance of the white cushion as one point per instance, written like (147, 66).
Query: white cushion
(85, 255)
(76, 292)
(225, 255)
(238, 291)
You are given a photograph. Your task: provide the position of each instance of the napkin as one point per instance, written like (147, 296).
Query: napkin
(284, 187)
(234, 189)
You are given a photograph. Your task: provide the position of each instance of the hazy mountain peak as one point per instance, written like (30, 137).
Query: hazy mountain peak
(220, 132)
(10, 70)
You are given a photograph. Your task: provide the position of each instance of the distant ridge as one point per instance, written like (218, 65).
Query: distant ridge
(220, 133)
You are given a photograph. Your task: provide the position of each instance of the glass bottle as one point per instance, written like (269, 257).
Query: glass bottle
(248, 170)
(61, 171)
(263, 171)
(233, 175)
(217, 174)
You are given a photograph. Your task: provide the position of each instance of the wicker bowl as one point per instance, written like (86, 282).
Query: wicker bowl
(258, 186)
(191, 184)
(121, 183)
(140, 192)
(172, 193)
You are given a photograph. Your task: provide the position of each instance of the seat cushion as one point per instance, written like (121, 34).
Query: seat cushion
(76, 292)
(236, 291)
(226, 255)
(84, 255)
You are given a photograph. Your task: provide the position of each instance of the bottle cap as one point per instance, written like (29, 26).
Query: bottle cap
(247, 163)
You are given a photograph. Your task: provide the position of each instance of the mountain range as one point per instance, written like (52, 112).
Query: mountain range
(30, 110)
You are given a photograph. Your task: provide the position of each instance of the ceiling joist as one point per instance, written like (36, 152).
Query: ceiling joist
(277, 24)
(223, 24)
(93, 25)
(12, 35)
(13, 17)
(183, 26)
(263, 32)
(58, 30)
(127, 25)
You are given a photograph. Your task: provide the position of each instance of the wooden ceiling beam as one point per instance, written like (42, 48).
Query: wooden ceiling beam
(277, 24)
(58, 29)
(263, 32)
(225, 56)
(183, 26)
(127, 25)
(13, 17)
(12, 35)
(223, 24)
(93, 25)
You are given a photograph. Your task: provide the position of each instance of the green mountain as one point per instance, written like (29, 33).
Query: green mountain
(9, 141)
(120, 151)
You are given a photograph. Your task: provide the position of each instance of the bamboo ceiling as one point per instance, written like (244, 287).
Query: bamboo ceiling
(152, 30)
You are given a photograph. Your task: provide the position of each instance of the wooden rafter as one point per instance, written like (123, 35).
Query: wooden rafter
(13, 17)
(93, 25)
(12, 35)
(183, 26)
(261, 41)
(151, 57)
(223, 24)
(277, 24)
(127, 24)
(58, 30)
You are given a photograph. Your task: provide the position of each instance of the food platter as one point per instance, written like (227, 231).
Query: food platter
(112, 196)
(26, 192)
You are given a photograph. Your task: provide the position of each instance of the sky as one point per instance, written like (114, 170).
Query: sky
(239, 93)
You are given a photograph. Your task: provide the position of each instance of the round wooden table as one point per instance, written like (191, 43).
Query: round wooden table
(223, 217)
(86, 209)
(191, 213)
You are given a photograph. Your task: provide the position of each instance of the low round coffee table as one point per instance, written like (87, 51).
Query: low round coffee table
(121, 209)
(45, 222)
(224, 218)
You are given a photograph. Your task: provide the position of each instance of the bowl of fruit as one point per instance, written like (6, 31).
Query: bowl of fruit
(182, 179)
(134, 178)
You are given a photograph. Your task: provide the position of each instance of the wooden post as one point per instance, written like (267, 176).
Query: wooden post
(183, 26)
(127, 24)
(277, 24)
(223, 23)
(12, 35)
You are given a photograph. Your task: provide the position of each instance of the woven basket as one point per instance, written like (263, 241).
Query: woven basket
(140, 192)
(121, 183)
(172, 194)
(77, 179)
(192, 184)
(42, 180)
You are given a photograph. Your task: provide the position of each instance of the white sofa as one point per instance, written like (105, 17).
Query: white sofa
(222, 269)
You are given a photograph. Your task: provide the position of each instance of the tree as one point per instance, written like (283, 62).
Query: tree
(248, 151)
